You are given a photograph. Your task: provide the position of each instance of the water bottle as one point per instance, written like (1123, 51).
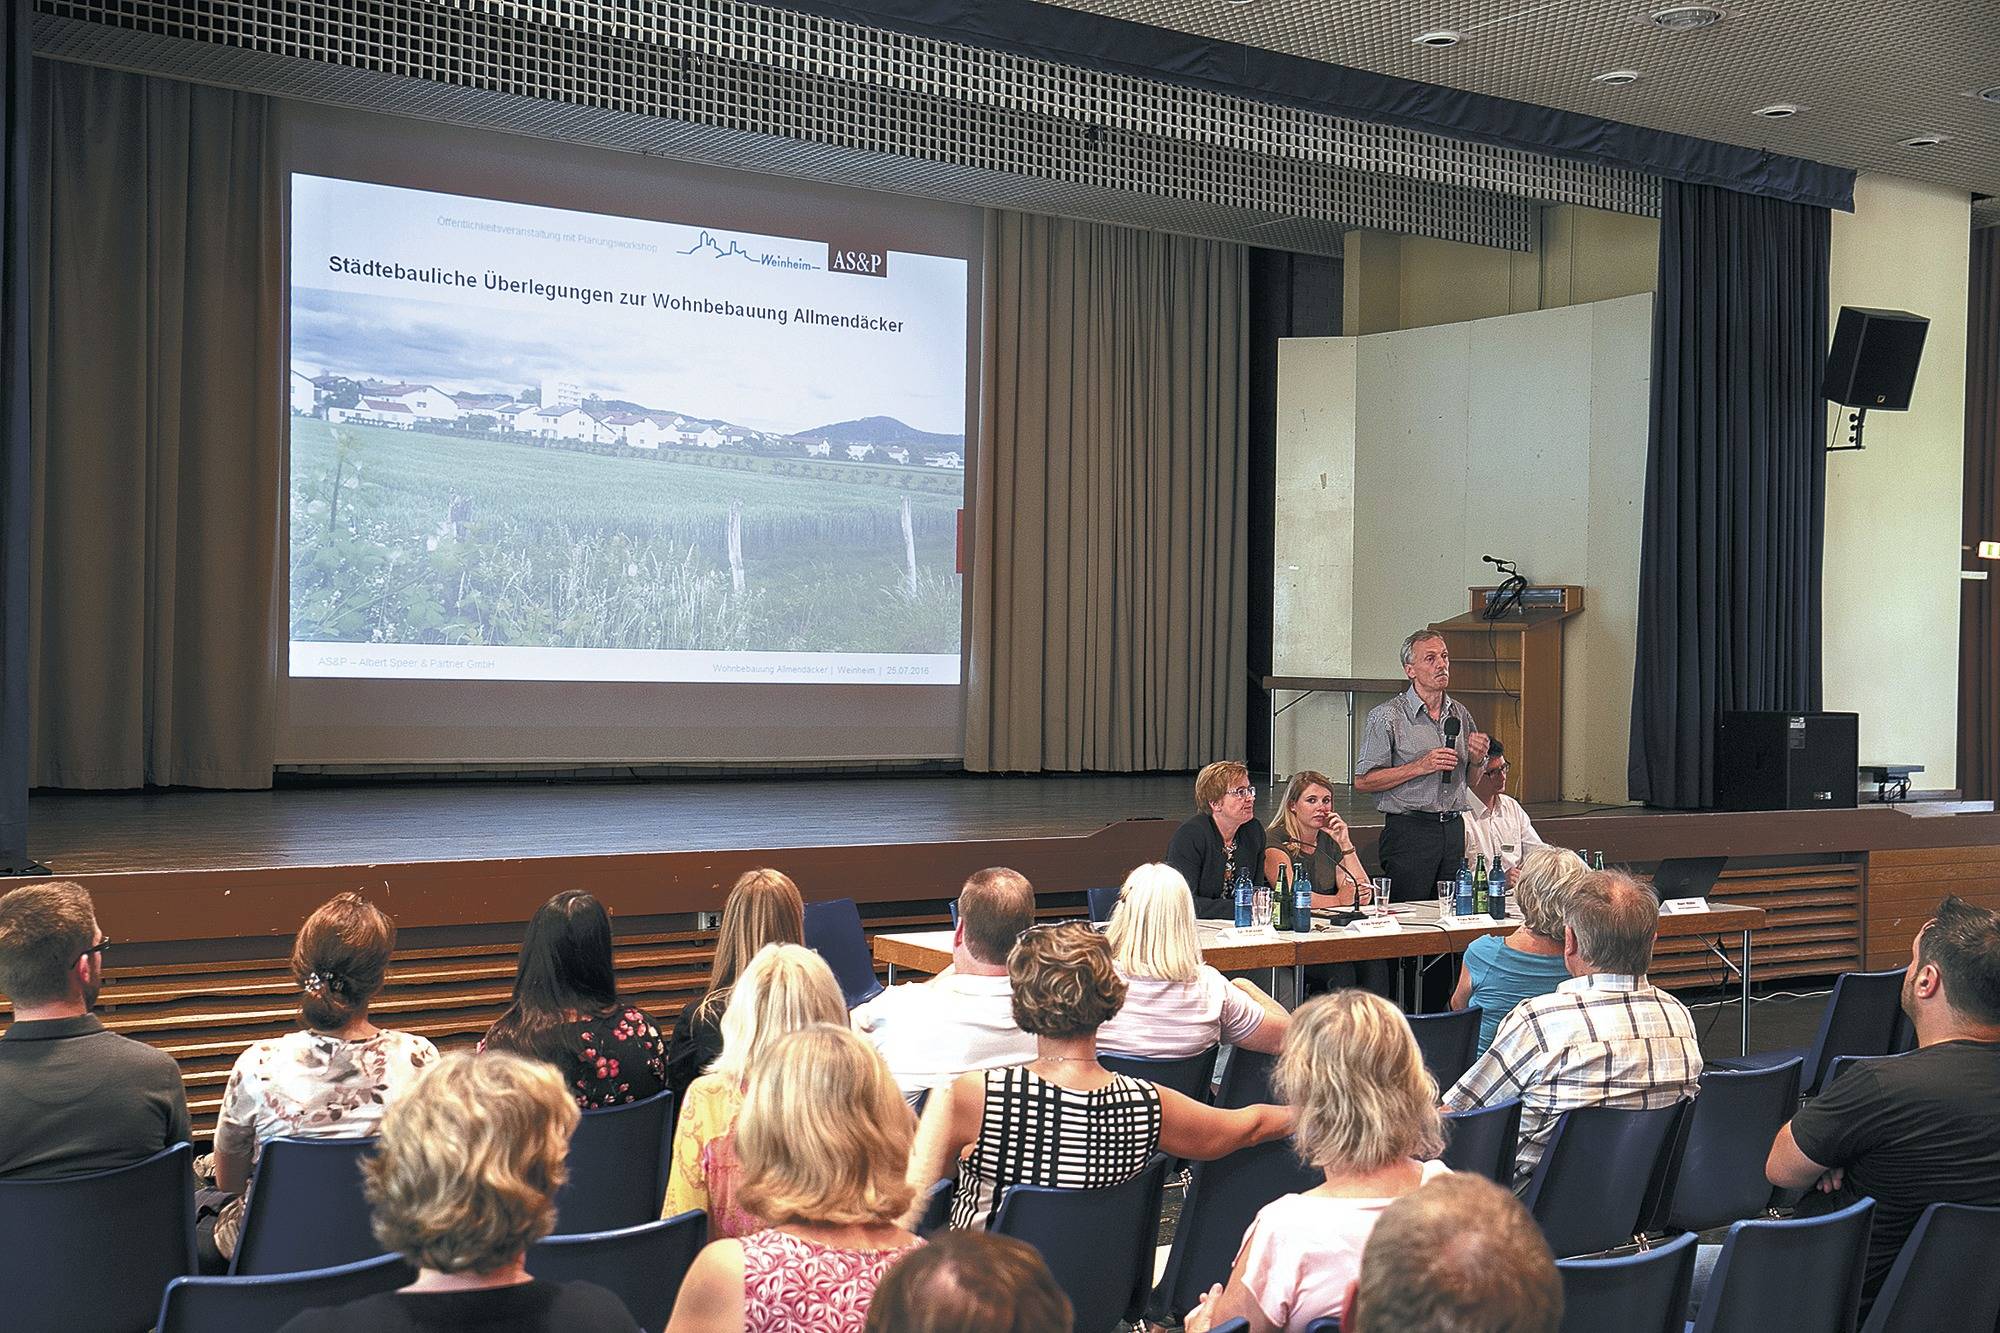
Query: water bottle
(1246, 898)
(1464, 905)
(1302, 902)
(1479, 886)
(1496, 896)
(1598, 864)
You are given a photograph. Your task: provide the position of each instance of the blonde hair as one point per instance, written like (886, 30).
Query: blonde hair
(825, 1133)
(1213, 782)
(1283, 824)
(472, 1155)
(763, 908)
(785, 988)
(1064, 983)
(1548, 875)
(1352, 1071)
(1152, 934)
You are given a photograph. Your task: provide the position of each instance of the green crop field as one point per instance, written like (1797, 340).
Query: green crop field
(408, 537)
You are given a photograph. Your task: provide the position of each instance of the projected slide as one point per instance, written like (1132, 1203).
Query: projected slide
(536, 444)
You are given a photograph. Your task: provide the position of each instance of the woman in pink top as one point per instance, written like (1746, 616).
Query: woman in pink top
(1368, 1118)
(1175, 1004)
(824, 1140)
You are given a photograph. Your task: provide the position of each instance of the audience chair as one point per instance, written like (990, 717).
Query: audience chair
(1605, 1172)
(1078, 1235)
(1189, 1075)
(1798, 1273)
(642, 1266)
(1721, 1177)
(1945, 1276)
(833, 931)
(1247, 1080)
(1862, 1018)
(937, 1207)
(618, 1163)
(1484, 1141)
(92, 1253)
(1645, 1292)
(1103, 902)
(1840, 1064)
(1231, 1326)
(1324, 1324)
(235, 1304)
(1447, 1040)
(1223, 1197)
(305, 1210)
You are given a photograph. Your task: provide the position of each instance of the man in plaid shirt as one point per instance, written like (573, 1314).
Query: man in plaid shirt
(1606, 1037)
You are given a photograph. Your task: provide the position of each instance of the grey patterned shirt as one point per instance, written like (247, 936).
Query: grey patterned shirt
(1398, 732)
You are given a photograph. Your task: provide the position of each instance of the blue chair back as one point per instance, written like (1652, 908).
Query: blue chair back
(1231, 1326)
(1098, 1243)
(1602, 1176)
(833, 931)
(1721, 1177)
(1103, 902)
(1188, 1075)
(1447, 1040)
(937, 1207)
(1223, 1197)
(618, 1162)
(1945, 1276)
(306, 1210)
(233, 1304)
(1799, 1273)
(1840, 1064)
(1862, 1018)
(1324, 1324)
(1246, 1080)
(642, 1266)
(1645, 1292)
(1484, 1141)
(92, 1253)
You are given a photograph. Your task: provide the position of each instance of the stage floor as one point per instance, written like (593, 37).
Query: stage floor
(83, 833)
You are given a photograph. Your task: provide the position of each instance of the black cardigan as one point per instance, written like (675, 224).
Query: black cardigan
(1196, 851)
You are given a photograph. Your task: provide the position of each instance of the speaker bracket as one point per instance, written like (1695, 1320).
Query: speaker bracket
(1855, 421)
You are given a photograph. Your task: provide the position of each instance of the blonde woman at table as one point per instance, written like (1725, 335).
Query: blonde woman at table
(1175, 1004)
(1307, 832)
(1501, 971)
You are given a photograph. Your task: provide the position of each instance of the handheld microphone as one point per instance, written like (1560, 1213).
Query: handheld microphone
(1451, 739)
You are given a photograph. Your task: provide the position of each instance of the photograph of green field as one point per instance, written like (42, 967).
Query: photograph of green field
(470, 538)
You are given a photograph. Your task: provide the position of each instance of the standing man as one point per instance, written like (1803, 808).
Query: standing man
(1417, 775)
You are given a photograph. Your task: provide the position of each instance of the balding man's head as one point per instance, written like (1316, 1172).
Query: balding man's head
(1460, 1255)
(1612, 919)
(994, 907)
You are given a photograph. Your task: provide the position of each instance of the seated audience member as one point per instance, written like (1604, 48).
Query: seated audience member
(970, 1282)
(932, 1031)
(1461, 1255)
(1222, 841)
(1175, 1004)
(1367, 1118)
(1924, 1127)
(1605, 1037)
(1495, 819)
(331, 1080)
(763, 908)
(825, 1136)
(1306, 833)
(1065, 1120)
(786, 988)
(1503, 970)
(566, 1009)
(74, 1098)
(471, 1158)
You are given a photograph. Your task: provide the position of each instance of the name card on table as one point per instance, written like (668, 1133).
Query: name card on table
(1376, 925)
(1683, 906)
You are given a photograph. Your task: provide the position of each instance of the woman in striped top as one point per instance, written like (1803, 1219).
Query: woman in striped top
(1175, 1004)
(1064, 1120)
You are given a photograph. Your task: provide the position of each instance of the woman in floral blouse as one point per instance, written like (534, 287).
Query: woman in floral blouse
(566, 1009)
(331, 1080)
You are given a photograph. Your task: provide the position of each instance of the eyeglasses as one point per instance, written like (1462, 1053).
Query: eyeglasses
(1241, 791)
(99, 948)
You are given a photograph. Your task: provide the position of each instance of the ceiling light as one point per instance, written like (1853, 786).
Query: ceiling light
(1441, 37)
(1989, 94)
(1616, 78)
(1687, 18)
(1925, 140)
(1778, 111)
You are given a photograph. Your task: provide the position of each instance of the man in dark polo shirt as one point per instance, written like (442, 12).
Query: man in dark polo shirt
(1920, 1128)
(74, 1098)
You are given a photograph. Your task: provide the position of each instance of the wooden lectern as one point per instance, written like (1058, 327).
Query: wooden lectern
(1509, 673)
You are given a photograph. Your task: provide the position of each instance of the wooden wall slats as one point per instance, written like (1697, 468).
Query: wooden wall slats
(1814, 927)
(1905, 887)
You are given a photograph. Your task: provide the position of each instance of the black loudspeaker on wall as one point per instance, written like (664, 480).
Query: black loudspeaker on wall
(1787, 761)
(1873, 361)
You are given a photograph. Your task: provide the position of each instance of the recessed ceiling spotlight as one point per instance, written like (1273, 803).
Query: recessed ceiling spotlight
(1687, 18)
(1778, 111)
(1616, 78)
(1989, 94)
(1925, 140)
(1441, 37)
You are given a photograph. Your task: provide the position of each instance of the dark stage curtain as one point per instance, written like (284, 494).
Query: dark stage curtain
(1979, 611)
(16, 114)
(1734, 525)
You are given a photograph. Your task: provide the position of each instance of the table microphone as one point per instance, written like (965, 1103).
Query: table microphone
(1451, 739)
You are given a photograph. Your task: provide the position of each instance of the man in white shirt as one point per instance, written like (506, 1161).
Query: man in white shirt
(930, 1032)
(1496, 820)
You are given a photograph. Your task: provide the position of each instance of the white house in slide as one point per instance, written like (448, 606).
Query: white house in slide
(859, 452)
(821, 450)
(633, 430)
(952, 459)
(304, 397)
(559, 423)
(425, 401)
(375, 412)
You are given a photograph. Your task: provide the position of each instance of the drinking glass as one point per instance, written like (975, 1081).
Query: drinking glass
(1447, 896)
(1260, 910)
(1379, 906)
